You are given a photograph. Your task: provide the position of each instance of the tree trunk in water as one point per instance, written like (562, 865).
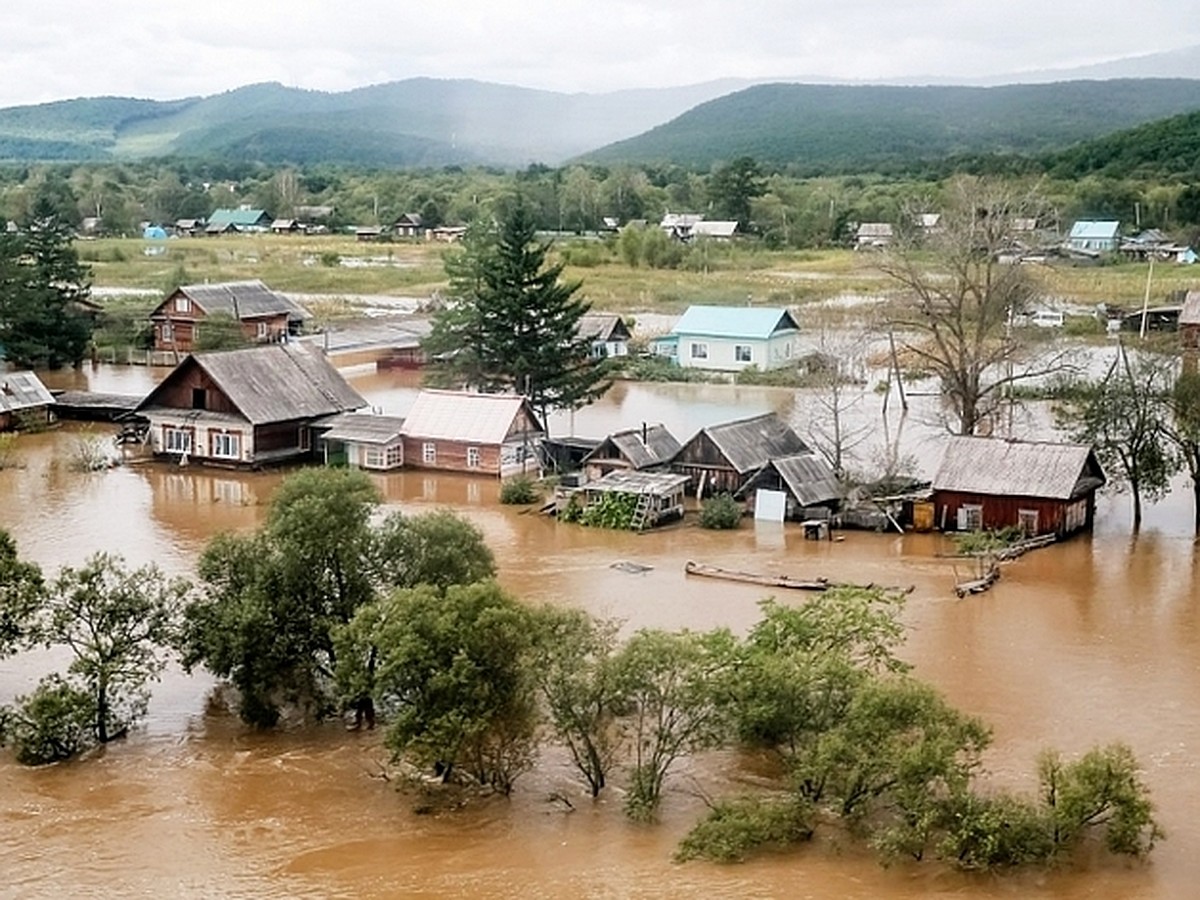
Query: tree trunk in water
(102, 713)
(1135, 489)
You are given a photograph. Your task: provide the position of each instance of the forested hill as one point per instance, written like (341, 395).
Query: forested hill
(842, 128)
(420, 121)
(1166, 149)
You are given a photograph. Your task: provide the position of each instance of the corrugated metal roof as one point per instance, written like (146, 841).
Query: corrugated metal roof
(1094, 229)
(237, 217)
(624, 481)
(643, 448)
(749, 443)
(360, 428)
(734, 321)
(715, 228)
(271, 383)
(464, 416)
(1190, 314)
(241, 299)
(602, 327)
(979, 465)
(809, 477)
(22, 390)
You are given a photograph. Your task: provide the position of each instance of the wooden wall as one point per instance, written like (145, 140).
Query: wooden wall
(1004, 512)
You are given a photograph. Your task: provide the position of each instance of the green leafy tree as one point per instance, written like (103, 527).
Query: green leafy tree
(1122, 416)
(56, 722)
(671, 684)
(22, 591)
(573, 666)
(438, 548)
(42, 289)
(221, 331)
(118, 625)
(271, 600)
(512, 323)
(454, 677)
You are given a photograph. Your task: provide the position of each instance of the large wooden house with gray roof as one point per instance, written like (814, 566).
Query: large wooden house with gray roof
(247, 407)
(265, 316)
(985, 484)
(722, 458)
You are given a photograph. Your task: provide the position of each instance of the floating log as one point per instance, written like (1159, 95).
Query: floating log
(1020, 548)
(783, 581)
(978, 585)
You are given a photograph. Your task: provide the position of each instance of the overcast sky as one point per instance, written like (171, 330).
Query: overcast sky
(57, 49)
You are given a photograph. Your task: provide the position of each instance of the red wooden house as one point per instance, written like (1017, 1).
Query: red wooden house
(487, 434)
(985, 484)
(265, 316)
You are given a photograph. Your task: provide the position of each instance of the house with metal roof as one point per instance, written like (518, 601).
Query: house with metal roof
(240, 219)
(732, 338)
(645, 448)
(873, 235)
(363, 440)
(1094, 236)
(250, 407)
(807, 481)
(722, 458)
(24, 401)
(265, 315)
(985, 484)
(461, 431)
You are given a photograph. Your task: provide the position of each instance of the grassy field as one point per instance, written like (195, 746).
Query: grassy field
(341, 266)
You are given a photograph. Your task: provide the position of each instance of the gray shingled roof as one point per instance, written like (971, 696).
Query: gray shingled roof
(22, 390)
(978, 465)
(809, 477)
(642, 448)
(602, 327)
(271, 383)
(242, 300)
(749, 443)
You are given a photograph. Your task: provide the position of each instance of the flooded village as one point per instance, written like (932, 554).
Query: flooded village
(1090, 640)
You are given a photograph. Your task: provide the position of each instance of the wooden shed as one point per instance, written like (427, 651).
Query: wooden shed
(644, 448)
(656, 497)
(806, 479)
(721, 458)
(1042, 488)
(24, 401)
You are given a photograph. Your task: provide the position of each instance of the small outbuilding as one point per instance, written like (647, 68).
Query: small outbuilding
(363, 441)
(986, 484)
(806, 479)
(609, 335)
(722, 458)
(651, 497)
(638, 449)
(24, 401)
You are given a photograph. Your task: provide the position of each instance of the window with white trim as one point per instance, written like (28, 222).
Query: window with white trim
(374, 458)
(262, 331)
(177, 440)
(167, 332)
(183, 304)
(970, 517)
(226, 445)
(429, 453)
(742, 353)
(395, 455)
(699, 351)
(473, 457)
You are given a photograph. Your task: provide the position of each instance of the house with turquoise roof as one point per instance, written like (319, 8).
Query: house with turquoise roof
(732, 338)
(1089, 236)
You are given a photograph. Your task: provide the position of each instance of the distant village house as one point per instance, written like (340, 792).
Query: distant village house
(265, 316)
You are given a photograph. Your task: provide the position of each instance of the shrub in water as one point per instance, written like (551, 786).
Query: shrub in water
(721, 511)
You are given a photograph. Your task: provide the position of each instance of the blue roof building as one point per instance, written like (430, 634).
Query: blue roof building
(732, 338)
(1093, 236)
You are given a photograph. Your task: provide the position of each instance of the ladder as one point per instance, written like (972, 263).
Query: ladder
(641, 512)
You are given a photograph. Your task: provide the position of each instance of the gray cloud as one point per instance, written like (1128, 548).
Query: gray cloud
(57, 49)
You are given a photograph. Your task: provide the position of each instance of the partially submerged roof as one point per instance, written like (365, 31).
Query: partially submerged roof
(466, 416)
(22, 390)
(240, 299)
(747, 444)
(364, 428)
(808, 477)
(269, 383)
(642, 448)
(626, 481)
(735, 321)
(979, 465)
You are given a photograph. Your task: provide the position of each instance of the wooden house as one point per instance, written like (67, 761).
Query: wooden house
(635, 449)
(363, 441)
(873, 236)
(1042, 488)
(609, 335)
(732, 338)
(24, 401)
(242, 219)
(409, 225)
(246, 407)
(287, 226)
(1093, 237)
(722, 458)
(265, 316)
(806, 479)
(459, 431)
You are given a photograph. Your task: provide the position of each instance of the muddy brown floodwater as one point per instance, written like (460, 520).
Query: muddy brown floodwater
(1091, 641)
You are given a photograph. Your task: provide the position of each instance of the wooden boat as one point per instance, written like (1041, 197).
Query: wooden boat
(782, 581)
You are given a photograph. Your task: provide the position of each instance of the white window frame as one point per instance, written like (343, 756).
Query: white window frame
(970, 515)
(167, 332)
(374, 457)
(743, 353)
(699, 351)
(474, 458)
(429, 453)
(183, 304)
(226, 444)
(394, 456)
(177, 440)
